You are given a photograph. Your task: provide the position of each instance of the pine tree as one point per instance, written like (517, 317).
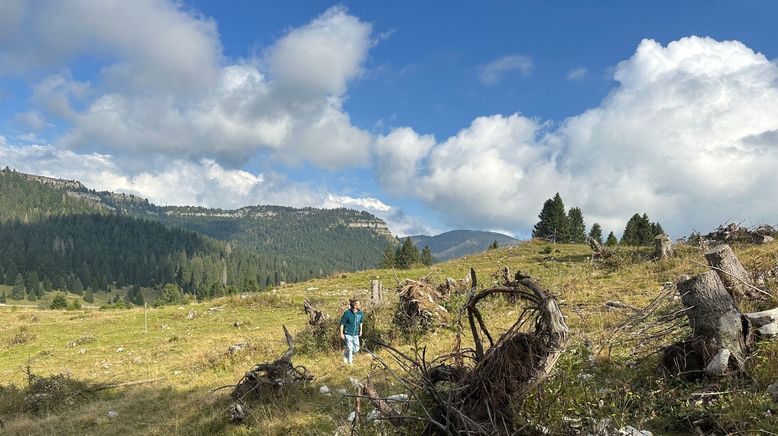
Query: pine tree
(3, 298)
(47, 286)
(31, 294)
(553, 225)
(494, 245)
(88, 297)
(59, 301)
(596, 233)
(611, 241)
(388, 260)
(18, 292)
(640, 230)
(426, 256)
(576, 225)
(406, 255)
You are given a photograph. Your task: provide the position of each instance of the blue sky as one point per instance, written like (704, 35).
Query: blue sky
(433, 115)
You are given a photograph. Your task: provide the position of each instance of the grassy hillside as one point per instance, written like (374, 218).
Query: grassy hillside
(190, 356)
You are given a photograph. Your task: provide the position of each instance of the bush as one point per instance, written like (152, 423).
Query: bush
(171, 294)
(59, 301)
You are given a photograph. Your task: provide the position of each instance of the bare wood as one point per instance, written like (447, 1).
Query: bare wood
(732, 273)
(125, 384)
(765, 323)
(386, 411)
(663, 247)
(716, 320)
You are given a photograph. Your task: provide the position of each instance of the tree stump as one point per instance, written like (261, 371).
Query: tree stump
(729, 269)
(663, 247)
(765, 323)
(375, 287)
(722, 336)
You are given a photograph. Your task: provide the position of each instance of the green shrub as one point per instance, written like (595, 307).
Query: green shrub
(59, 301)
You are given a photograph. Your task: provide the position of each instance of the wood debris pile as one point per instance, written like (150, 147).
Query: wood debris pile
(420, 305)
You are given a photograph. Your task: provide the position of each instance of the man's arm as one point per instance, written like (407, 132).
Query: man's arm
(342, 336)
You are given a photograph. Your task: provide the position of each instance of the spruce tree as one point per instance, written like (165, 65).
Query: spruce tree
(640, 230)
(553, 225)
(406, 255)
(426, 256)
(596, 233)
(3, 298)
(611, 241)
(88, 297)
(18, 292)
(59, 301)
(31, 294)
(494, 245)
(576, 225)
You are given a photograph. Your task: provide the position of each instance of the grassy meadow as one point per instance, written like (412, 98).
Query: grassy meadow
(189, 358)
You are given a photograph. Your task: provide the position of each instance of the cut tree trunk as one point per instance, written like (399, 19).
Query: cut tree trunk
(663, 247)
(722, 336)
(731, 272)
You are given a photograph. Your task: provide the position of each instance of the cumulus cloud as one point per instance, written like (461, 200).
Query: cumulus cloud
(687, 136)
(577, 73)
(398, 156)
(170, 91)
(493, 72)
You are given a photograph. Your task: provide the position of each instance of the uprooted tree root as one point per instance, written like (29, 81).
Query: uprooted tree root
(266, 380)
(476, 398)
(420, 306)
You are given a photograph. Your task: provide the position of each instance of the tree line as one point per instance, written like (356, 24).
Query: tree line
(568, 227)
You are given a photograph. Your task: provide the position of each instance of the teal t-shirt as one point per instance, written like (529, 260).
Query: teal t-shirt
(351, 322)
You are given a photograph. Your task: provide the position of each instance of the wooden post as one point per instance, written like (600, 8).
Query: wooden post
(375, 285)
(145, 318)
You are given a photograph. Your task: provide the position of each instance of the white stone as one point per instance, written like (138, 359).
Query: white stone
(324, 390)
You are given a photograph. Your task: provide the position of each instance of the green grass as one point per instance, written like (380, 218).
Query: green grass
(190, 356)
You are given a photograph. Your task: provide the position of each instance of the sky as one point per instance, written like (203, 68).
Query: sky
(431, 115)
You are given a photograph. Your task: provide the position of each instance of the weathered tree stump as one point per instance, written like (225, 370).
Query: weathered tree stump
(721, 335)
(663, 247)
(731, 272)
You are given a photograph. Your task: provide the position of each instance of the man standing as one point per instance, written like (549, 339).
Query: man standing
(351, 330)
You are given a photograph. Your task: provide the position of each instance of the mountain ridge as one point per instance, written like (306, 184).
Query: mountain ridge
(461, 242)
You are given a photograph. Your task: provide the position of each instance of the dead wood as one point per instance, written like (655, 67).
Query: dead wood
(419, 305)
(734, 233)
(598, 249)
(477, 399)
(267, 379)
(732, 273)
(764, 323)
(315, 316)
(663, 247)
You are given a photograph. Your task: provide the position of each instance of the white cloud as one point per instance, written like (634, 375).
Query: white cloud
(171, 93)
(577, 73)
(365, 203)
(398, 156)
(158, 46)
(493, 72)
(687, 136)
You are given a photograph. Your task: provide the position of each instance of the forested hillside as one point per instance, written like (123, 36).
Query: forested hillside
(58, 234)
(458, 243)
